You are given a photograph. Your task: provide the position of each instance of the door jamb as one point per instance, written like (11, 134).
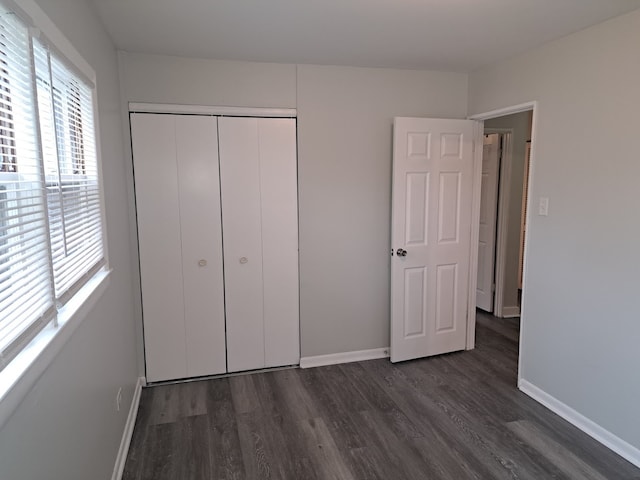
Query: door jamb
(522, 107)
(504, 194)
(478, 133)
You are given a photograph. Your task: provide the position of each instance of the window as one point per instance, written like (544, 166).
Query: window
(51, 238)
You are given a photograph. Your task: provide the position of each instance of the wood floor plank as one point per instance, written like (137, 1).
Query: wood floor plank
(243, 394)
(256, 463)
(456, 416)
(327, 458)
(193, 460)
(226, 454)
(560, 456)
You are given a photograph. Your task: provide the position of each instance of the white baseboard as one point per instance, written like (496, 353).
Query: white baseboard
(345, 357)
(118, 469)
(510, 312)
(605, 437)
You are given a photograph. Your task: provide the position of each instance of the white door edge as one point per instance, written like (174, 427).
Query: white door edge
(504, 196)
(475, 234)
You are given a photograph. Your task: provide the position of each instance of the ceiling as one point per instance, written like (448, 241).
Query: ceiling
(451, 35)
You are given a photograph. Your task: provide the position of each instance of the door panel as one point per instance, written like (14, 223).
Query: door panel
(156, 186)
(279, 210)
(488, 218)
(415, 300)
(448, 207)
(417, 212)
(199, 187)
(242, 226)
(431, 221)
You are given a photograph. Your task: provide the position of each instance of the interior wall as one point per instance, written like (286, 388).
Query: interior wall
(344, 159)
(520, 124)
(345, 144)
(67, 426)
(194, 81)
(580, 329)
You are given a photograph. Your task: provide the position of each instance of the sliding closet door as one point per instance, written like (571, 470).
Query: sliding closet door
(259, 205)
(179, 231)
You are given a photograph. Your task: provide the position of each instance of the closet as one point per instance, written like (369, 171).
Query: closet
(216, 204)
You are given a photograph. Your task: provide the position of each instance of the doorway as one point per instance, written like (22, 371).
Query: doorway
(503, 199)
(513, 129)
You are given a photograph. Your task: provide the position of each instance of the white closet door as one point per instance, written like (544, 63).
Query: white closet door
(259, 212)
(178, 208)
(242, 226)
(156, 186)
(200, 222)
(279, 193)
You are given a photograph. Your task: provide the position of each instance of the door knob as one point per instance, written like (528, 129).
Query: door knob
(401, 252)
(202, 263)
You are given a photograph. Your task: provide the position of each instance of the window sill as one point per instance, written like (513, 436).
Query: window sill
(19, 377)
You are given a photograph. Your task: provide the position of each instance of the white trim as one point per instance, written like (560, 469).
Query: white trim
(602, 435)
(504, 195)
(212, 110)
(501, 112)
(56, 38)
(344, 357)
(121, 459)
(478, 141)
(17, 378)
(510, 312)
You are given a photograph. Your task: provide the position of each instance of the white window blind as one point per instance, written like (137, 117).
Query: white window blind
(71, 172)
(25, 274)
(51, 238)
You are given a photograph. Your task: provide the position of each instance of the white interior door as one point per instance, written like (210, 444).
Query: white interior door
(488, 215)
(433, 164)
(179, 233)
(259, 214)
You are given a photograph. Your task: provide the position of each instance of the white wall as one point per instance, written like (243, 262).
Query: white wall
(193, 81)
(580, 321)
(344, 141)
(67, 427)
(520, 124)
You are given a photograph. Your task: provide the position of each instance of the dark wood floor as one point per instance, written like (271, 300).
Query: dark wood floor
(456, 416)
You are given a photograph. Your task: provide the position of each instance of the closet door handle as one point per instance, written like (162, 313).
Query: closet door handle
(202, 263)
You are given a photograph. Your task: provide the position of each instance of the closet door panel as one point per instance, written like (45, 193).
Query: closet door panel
(156, 187)
(279, 208)
(241, 223)
(199, 189)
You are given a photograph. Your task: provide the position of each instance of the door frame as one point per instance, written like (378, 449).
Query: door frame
(504, 196)
(501, 112)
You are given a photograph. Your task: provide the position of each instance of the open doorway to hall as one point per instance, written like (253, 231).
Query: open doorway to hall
(502, 233)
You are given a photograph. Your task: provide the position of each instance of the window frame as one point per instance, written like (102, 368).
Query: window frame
(24, 369)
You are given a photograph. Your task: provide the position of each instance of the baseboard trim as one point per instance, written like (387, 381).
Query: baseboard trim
(605, 437)
(118, 469)
(510, 312)
(344, 357)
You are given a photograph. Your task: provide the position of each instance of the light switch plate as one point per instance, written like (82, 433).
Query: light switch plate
(543, 206)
